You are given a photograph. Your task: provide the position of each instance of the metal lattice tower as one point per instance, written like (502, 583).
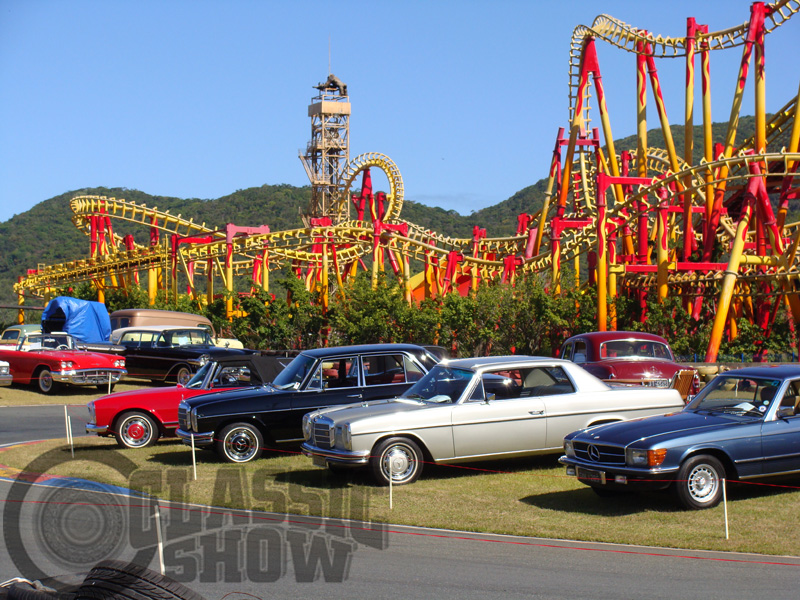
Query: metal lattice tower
(328, 152)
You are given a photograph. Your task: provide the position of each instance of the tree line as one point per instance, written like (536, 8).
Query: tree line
(497, 319)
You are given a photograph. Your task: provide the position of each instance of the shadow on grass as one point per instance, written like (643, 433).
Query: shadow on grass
(362, 476)
(587, 502)
(490, 467)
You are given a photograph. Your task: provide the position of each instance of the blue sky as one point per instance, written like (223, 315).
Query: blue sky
(200, 98)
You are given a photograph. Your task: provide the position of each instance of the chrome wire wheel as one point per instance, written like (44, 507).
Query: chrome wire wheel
(240, 443)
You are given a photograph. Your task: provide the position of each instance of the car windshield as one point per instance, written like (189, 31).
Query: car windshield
(47, 341)
(295, 373)
(196, 382)
(736, 395)
(440, 384)
(635, 349)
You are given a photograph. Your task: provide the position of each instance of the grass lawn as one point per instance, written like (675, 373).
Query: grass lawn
(525, 497)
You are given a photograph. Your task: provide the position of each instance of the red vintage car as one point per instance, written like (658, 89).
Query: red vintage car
(139, 418)
(52, 359)
(626, 357)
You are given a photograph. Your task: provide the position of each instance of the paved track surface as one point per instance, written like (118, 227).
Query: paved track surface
(24, 423)
(50, 530)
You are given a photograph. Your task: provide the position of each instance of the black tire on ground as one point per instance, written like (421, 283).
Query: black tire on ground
(239, 443)
(398, 458)
(45, 382)
(698, 483)
(136, 429)
(118, 580)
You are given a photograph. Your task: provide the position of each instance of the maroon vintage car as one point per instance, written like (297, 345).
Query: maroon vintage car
(52, 359)
(139, 417)
(625, 357)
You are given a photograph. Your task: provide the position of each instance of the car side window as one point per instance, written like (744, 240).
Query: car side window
(335, 373)
(791, 399)
(502, 385)
(383, 369)
(566, 352)
(545, 381)
(413, 371)
(580, 352)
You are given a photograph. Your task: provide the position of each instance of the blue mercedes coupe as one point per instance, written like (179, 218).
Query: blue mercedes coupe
(743, 425)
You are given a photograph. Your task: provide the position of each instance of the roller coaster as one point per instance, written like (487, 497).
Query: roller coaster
(652, 223)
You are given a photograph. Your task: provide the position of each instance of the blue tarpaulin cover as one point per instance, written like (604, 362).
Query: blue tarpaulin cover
(86, 320)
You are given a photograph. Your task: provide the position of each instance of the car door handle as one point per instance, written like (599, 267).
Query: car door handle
(354, 396)
(536, 413)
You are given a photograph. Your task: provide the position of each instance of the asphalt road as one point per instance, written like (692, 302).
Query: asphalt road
(25, 423)
(57, 529)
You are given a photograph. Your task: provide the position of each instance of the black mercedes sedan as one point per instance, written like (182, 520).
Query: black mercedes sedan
(239, 424)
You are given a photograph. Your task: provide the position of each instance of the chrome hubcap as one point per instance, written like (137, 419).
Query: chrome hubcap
(240, 445)
(398, 463)
(136, 432)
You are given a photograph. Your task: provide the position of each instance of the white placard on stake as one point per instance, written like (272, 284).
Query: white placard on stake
(69, 431)
(194, 460)
(109, 382)
(160, 541)
(391, 477)
(725, 506)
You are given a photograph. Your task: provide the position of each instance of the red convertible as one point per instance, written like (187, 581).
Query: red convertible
(629, 357)
(52, 359)
(138, 418)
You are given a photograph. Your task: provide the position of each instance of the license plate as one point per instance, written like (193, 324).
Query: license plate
(591, 476)
(318, 461)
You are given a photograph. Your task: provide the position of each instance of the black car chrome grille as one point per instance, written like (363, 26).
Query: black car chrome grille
(599, 453)
(323, 433)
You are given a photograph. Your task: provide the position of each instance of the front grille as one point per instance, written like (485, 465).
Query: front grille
(95, 377)
(608, 455)
(323, 434)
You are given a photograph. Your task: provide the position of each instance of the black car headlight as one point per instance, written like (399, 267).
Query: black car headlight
(636, 457)
(307, 424)
(193, 419)
(569, 448)
(344, 437)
